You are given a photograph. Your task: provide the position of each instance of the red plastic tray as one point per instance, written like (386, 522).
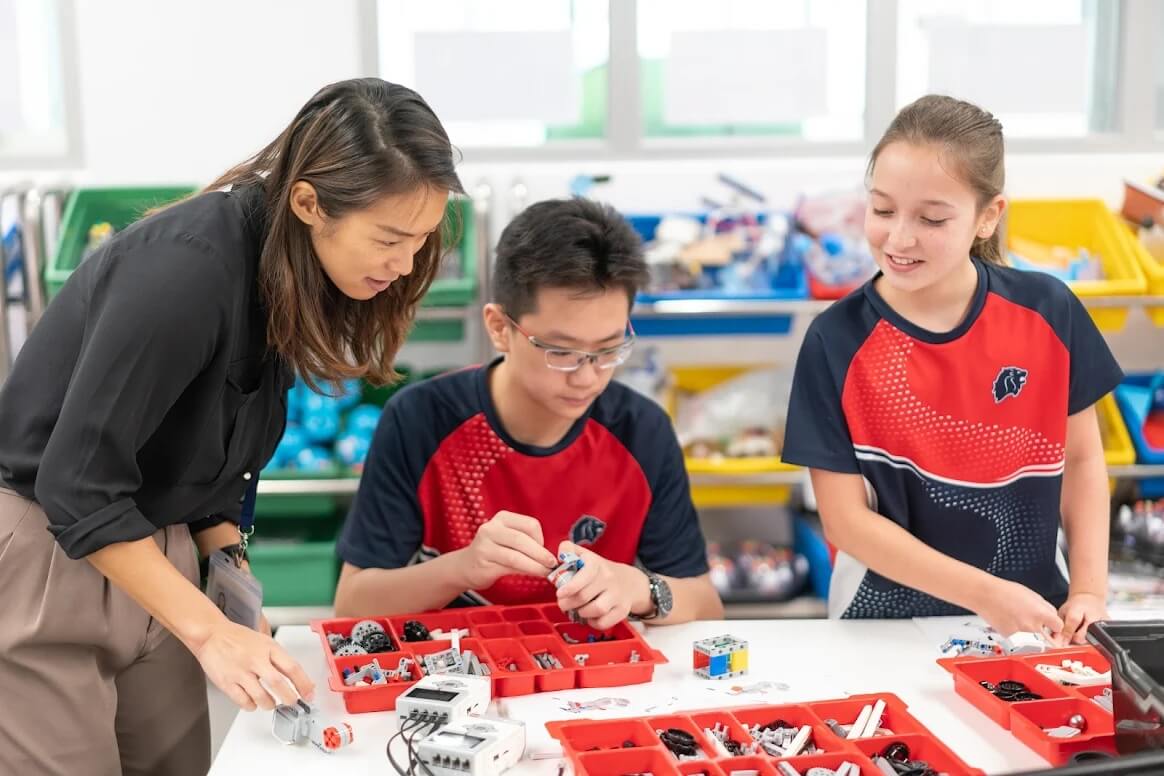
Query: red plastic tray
(1026, 719)
(499, 636)
(596, 746)
(820, 290)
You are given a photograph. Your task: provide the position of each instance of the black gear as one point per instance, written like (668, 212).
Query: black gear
(414, 630)
(378, 642)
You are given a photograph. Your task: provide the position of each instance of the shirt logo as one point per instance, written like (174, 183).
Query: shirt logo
(586, 530)
(1010, 382)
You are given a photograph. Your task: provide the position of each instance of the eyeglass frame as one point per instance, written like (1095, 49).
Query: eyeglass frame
(584, 355)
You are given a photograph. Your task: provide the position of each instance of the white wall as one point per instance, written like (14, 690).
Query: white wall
(177, 91)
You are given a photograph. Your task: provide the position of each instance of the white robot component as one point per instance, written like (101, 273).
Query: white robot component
(445, 698)
(473, 747)
(294, 724)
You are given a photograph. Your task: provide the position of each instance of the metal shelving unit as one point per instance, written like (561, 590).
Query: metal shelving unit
(346, 486)
(686, 308)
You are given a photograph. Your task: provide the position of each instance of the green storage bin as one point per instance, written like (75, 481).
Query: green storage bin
(460, 291)
(118, 206)
(121, 206)
(296, 561)
(307, 505)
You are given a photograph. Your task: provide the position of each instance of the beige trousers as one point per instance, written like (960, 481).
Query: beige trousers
(89, 682)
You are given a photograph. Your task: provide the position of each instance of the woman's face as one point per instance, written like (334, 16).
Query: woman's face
(365, 251)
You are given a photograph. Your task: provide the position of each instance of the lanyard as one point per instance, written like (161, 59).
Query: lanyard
(246, 521)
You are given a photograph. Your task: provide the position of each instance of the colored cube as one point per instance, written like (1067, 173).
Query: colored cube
(721, 657)
(739, 661)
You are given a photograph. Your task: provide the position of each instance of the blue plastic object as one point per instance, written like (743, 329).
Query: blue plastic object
(292, 442)
(808, 541)
(788, 282)
(363, 420)
(352, 448)
(314, 459)
(320, 418)
(1136, 397)
(351, 394)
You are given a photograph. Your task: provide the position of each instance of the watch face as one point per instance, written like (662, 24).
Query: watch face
(662, 595)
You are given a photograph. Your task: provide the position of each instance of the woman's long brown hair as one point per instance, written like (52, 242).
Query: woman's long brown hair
(355, 142)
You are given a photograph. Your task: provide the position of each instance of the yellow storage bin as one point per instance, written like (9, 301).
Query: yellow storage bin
(1117, 443)
(737, 490)
(1153, 270)
(1084, 223)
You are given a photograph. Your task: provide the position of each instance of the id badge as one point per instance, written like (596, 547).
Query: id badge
(237, 593)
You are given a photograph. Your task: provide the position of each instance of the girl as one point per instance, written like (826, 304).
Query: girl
(148, 398)
(945, 409)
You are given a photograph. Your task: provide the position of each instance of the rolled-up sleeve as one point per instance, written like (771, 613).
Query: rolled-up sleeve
(152, 324)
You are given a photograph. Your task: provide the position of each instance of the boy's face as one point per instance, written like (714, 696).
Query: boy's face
(569, 320)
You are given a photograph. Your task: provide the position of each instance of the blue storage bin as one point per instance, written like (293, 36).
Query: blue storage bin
(790, 282)
(1134, 397)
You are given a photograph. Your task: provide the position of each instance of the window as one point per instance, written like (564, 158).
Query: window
(1159, 77)
(1045, 68)
(513, 73)
(33, 122)
(752, 68)
(804, 77)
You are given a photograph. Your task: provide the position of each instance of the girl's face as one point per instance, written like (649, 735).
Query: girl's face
(921, 220)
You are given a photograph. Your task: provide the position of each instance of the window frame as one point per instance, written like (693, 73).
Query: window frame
(70, 155)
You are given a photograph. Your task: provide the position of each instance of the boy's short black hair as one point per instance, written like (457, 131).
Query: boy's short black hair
(566, 243)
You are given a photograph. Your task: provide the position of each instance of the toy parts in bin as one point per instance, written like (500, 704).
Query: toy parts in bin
(761, 740)
(1034, 705)
(523, 649)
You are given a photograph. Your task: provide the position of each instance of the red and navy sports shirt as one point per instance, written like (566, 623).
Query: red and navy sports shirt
(441, 464)
(961, 435)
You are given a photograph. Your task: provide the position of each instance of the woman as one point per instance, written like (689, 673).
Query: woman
(150, 395)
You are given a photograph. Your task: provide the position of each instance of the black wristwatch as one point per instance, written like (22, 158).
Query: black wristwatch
(660, 597)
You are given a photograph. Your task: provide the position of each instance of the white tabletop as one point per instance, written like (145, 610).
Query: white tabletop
(817, 659)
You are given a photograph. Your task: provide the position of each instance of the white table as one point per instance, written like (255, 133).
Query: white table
(818, 659)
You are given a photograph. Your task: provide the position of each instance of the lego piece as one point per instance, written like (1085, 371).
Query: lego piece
(298, 723)
(370, 673)
(569, 565)
(798, 743)
(445, 662)
(365, 628)
(857, 730)
(874, 719)
(414, 630)
(721, 657)
(601, 704)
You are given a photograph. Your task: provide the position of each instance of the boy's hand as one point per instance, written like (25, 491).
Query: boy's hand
(1079, 611)
(1010, 607)
(603, 593)
(507, 544)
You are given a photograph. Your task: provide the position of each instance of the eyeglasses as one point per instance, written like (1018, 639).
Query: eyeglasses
(568, 360)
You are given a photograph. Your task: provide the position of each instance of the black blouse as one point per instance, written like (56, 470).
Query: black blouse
(146, 395)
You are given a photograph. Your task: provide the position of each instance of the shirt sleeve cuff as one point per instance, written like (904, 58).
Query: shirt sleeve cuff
(198, 526)
(349, 552)
(843, 464)
(119, 522)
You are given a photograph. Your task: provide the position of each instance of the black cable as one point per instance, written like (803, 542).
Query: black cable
(413, 758)
(405, 726)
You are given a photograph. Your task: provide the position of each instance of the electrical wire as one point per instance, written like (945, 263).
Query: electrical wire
(405, 726)
(413, 758)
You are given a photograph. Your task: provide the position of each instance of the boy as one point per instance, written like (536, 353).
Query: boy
(479, 479)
